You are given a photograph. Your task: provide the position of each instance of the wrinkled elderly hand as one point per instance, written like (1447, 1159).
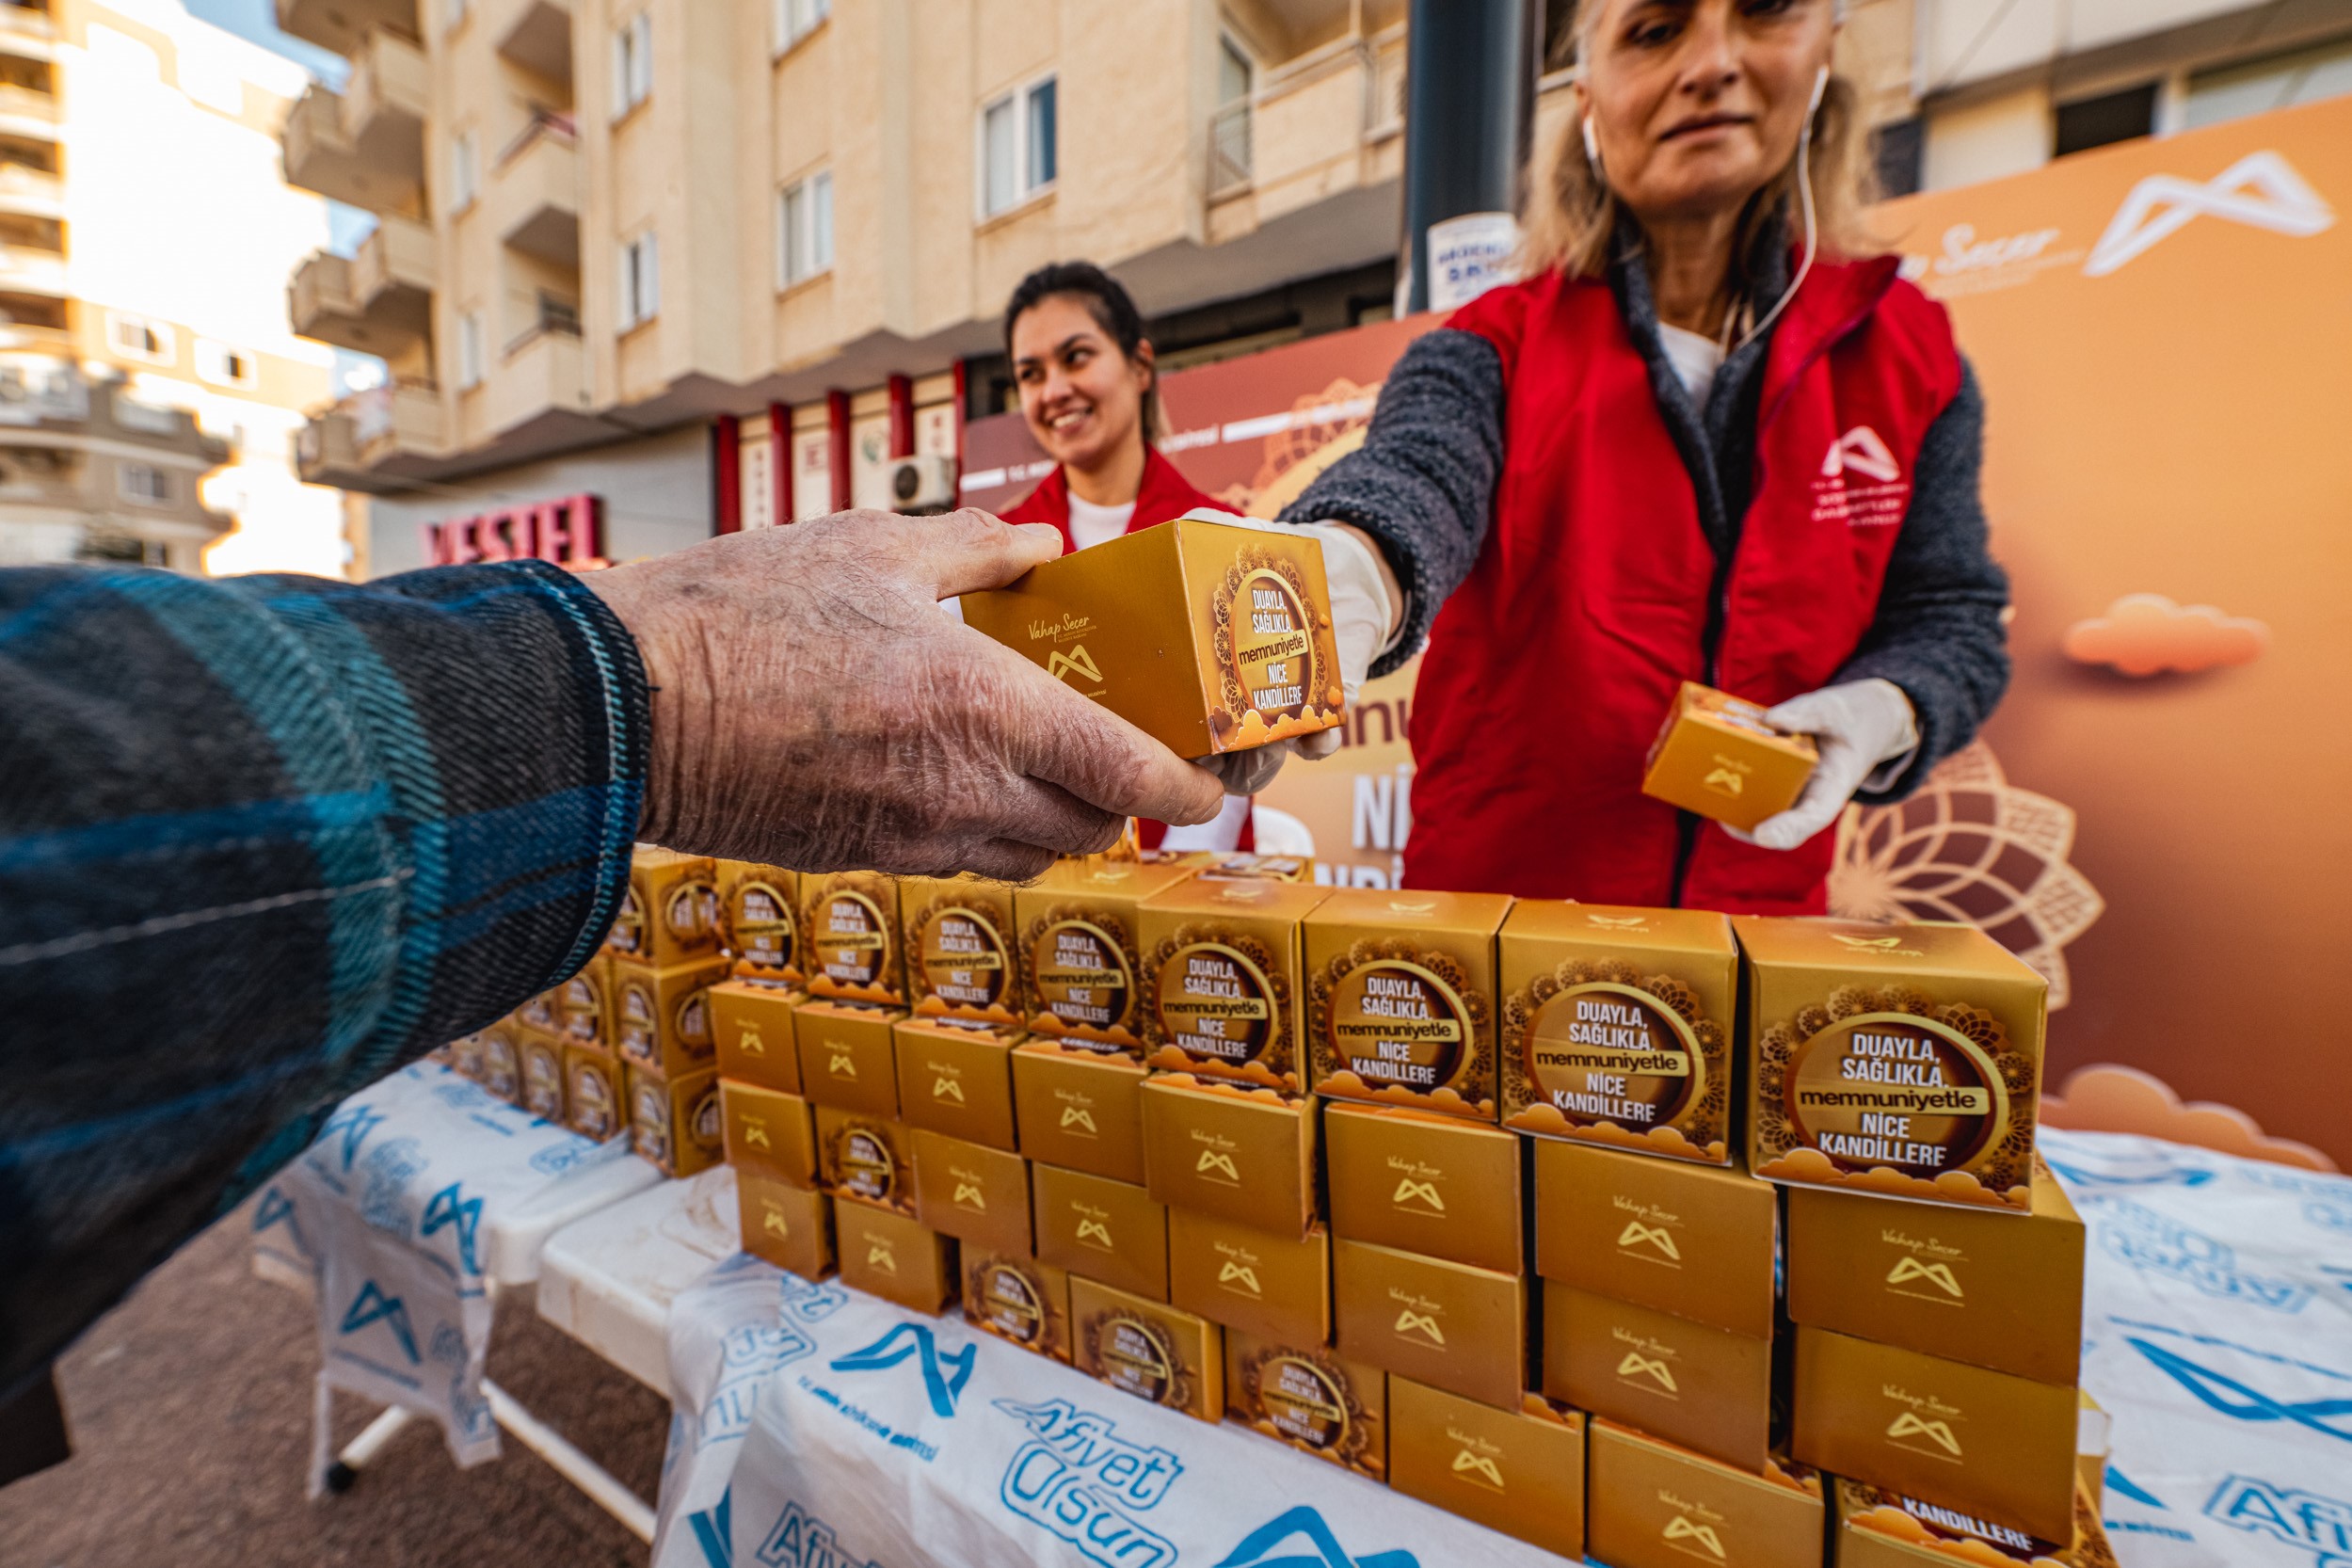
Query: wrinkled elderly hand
(813, 709)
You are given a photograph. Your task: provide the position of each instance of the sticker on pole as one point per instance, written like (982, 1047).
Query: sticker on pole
(1468, 255)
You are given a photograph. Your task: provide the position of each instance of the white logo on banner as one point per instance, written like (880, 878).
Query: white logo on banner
(1861, 450)
(2260, 190)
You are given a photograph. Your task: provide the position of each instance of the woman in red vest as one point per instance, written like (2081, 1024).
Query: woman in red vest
(1708, 437)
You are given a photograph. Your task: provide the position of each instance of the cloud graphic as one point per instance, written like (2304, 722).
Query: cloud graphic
(2149, 635)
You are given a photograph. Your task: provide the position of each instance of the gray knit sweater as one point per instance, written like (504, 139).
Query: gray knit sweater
(1423, 484)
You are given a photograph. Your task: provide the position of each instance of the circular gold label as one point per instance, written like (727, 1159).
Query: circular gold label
(1008, 1303)
(1303, 1402)
(964, 958)
(591, 1101)
(1215, 1004)
(703, 1121)
(692, 911)
(867, 1168)
(1136, 1359)
(501, 1073)
(1610, 1053)
(584, 1009)
(1395, 1022)
(1273, 647)
(540, 1012)
(693, 1020)
(636, 1023)
(627, 933)
(852, 939)
(650, 1124)
(1082, 975)
(1895, 1089)
(762, 922)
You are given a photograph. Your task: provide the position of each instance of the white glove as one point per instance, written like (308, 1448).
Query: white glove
(1361, 612)
(1866, 732)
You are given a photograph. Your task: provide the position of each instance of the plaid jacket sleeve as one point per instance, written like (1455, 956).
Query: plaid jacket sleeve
(262, 840)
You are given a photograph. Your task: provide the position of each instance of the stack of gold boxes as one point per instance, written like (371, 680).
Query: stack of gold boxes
(663, 955)
(769, 1132)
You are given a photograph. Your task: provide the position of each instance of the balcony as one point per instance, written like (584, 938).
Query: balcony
(341, 25)
(1319, 126)
(29, 192)
(385, 102)
(24, 269)
(392, 276)
(320, 156)
(535, 192)
(541, 373)
(326, 450)
(28, 112)
(399, 421)
(27, 33)
(534, 34)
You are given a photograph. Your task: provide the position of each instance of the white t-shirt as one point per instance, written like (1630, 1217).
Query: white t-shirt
(1091, 524)
(1695, 357)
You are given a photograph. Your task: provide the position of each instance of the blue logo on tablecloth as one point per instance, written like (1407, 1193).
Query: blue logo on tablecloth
(746, 1357)
(2242, 1400)
(370, 1305)
(799, 1539)
(444, 1208)
(352, 1124)
(1299, 1539)
(2134, 1234)
(712, 1533)
(276, 1208)
(1076, 1480)
(809, 1303)
(943, 1376)
(2315, 1523)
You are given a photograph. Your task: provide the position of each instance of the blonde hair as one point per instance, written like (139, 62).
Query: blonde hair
(1570, 212)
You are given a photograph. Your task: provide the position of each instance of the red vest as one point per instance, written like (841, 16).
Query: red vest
(1551, 667)
(1166, 494)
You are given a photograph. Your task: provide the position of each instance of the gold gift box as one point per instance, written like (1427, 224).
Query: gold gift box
(1520, 1471)
(1653, 1504)
(1080, 1109)
(1986, 1443)
(1899, 1060)
(1691, 1383)
(662, 1017)
(1690, 1239)
(1716, 756)
(1018, 1300)
(888, 1254)
(849, 937)
(501, 1060)
(592, 1094)
(1885, 1530)
(540, 1058)
(1148, 1349)
(674, 1122)
(957, 935)
(1978, 1285)
(1436, 1185)
(1206, 636)
(760, 920)
(1100, 1229)
(848, 1059)
(669, 915)
(1297, 1392)
(864, 1159)
(1245, 1154)
(769, 1132)
(1275, 1287)
(1242, 866)
(536, 1014)
(1617, 1027)
(1221, 979)
(1401, 998)
(1446, 1324)
(787, 1225)
(1082, 959)
(584, 1010)
(751, 1032)
(956, 1078)
(975, 1194)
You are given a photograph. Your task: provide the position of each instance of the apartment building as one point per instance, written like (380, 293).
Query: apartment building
(150, 386)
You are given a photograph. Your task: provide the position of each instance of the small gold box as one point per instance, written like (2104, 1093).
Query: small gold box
(1444, 1324)
(1275, 1287)
(1242, 866)
(541, 1060)
(674, 1122)
(537, 1016)
(1717, 756)
(1018, 1299)
(592, 1095)
(1700, 1243)
(1899, 1060)
(1436, 1185)
(1080, 1109)
(1978, 1286)
(751, 1029)
(1101, 1229)
(1148, 1349)
(1401, 998)
(958, 937)
(1693, 1383)
(501, 1060)
(670, 914)
(583, 1005)
(864, 1159)
(662, 1016)
(1618, 1025)
(787, 1225)
(1520, 1471)
(769, 1132)
(888, 1254)
(1986, 1443)
(465, 1056)
(760, 920)
(1222, 980)
(1206, 636)
(972, 1193)
(847, 1057)
(1653, 1504)
(849, 938)
(958, 1079)
(1300, 1394)
(1246, 1155)
(1885, 1530)
(1082, 960)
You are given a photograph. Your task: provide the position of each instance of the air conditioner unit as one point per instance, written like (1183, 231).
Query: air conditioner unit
(923, 484)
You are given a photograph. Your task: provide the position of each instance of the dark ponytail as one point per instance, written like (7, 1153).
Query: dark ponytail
(1107, 300)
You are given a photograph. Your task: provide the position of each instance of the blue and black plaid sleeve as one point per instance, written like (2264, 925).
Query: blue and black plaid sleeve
(262, 840)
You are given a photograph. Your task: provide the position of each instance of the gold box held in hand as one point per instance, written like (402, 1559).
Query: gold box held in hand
(1716, 756)
(1208, 636)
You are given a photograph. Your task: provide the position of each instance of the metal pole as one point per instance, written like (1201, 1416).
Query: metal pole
(1469, 98)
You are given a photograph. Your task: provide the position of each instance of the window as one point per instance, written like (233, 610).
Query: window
(144, 483)
(1229, 129)
(1899, 148)
(138, 338)
(796, 19)
(2090, 122)
(640, 282)
(803, 230)
(633, 63)
(223, 365)
(469, 351)
(1018, 154)
(464, 170)
(2276, 82)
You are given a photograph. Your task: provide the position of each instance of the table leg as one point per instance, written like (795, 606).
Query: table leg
(571, 1463)
(365, 1446)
